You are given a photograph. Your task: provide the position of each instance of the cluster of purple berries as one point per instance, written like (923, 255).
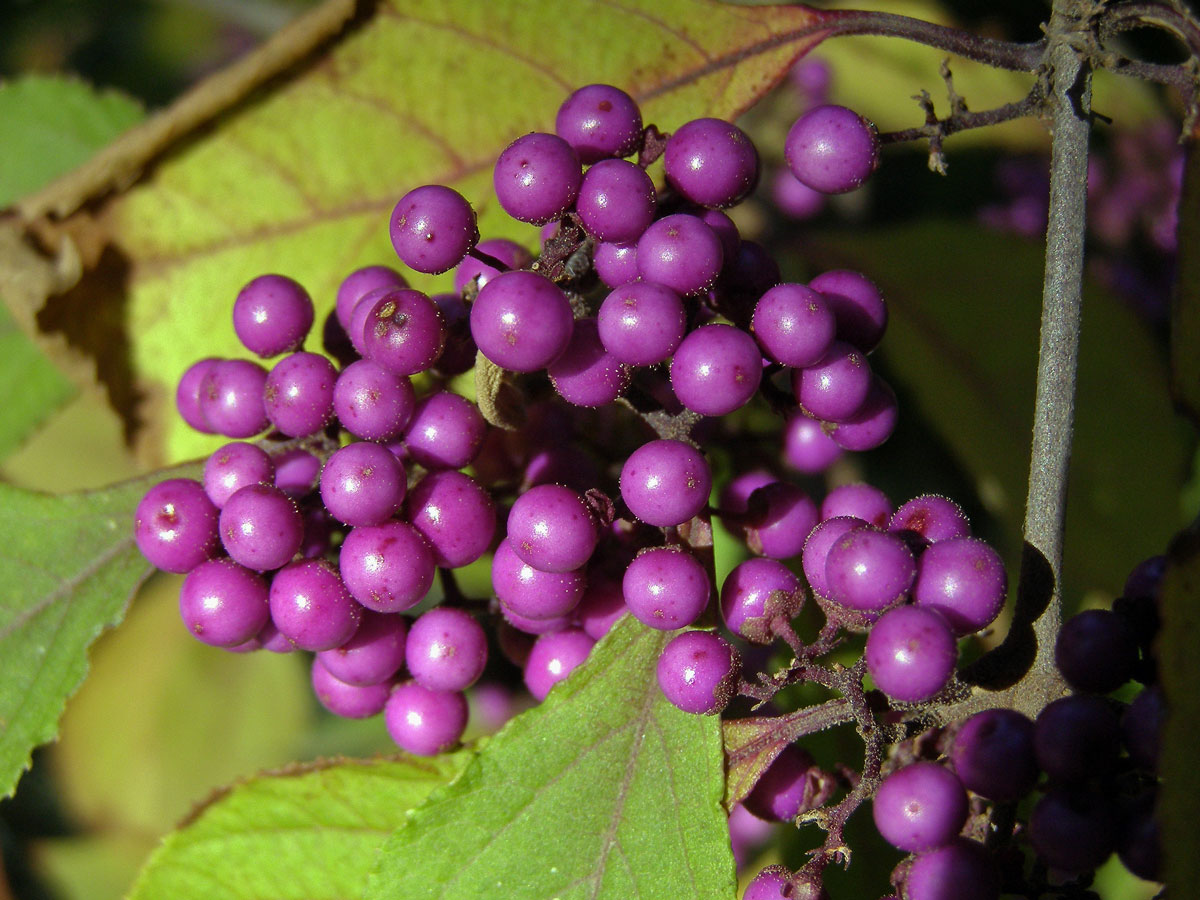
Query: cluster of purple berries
(1081, 777)
(301, 542)
(644, 306)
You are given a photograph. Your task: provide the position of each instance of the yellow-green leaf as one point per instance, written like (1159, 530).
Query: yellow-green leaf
(311, 832)
(301, 179)
(605, 791)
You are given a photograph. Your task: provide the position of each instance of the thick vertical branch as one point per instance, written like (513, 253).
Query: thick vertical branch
(1054, 411)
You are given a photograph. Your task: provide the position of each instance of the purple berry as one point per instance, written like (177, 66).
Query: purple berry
(586, 374)
(555, 656)
(698, 672)
(932, 518)
(261, 527)
(350, 701)
(272, 315)
(432, 228)
(615, 264)
(806, 446)
(600, 122)
(223, 604)
(711, 162)
(863, 501)
(757, 592)
(234, 466)
(963, 579)
(298, 394)
(521, 321)
(188, 394)
(869, 570)
(1095, 651)
(779, 520)
(454, 514)
(477, 272)
(446, 431)
(817, 546)
(373, 655)
(993, 755)
(231, 398)
(1077, 737)
(831, 149)
(425, 722)
(665, 482)
(387, 568)
(531, 593)
(911, 653)
(311, 606)
(961, 870)
(616, 201)
(787, 788)
(296, 472)
(537, 178)
(372, 403)
(403, 331)
(794, 325)
(666, 588)
(835, 387)
(175, 526)
(857, 306)
(920, 807)
(716, 370)
(1073, 830)
(642, 323)
(551, 528)
(362, 484)
(872, 424)
(447, 649)
(358, 284)
(680, 252)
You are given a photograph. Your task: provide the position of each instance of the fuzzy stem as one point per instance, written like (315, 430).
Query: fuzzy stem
(1054, 410)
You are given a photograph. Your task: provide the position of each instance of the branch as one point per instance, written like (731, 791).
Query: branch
(1039, 591)
(1000, 54)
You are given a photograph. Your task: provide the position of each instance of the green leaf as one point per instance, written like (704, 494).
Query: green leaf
(603, 791)
(172, 694)
(1179, 666)
(67, 570)
(302, 180)
(962, 347)
(53, 123)
(30, 387)
(309, 832)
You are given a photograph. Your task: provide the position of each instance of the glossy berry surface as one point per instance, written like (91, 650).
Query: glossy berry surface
(298, 394)
(911, 653)
(175, 525)
(666, 588)
(551, 528)
(425, 722)
(711, 162)
(585, 373)
(920, 807)
(553, 657)
(755, 593)
(698, 672)
(600, 122)
(537, 178)
(521, 321)
(681, 252)
(373, 655)
(531, 593)
(432, 228)
(388, 568)
(832, 149)
(362, 484)
(272, 315)
(869, 570)
(454, 514)
(665, 482)
(641, 323)
(261, 527)
(716, 369)
(311, 606)
(993, 755)
(223, 604)
(350, 701)
(446, 649)
(963, 579)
